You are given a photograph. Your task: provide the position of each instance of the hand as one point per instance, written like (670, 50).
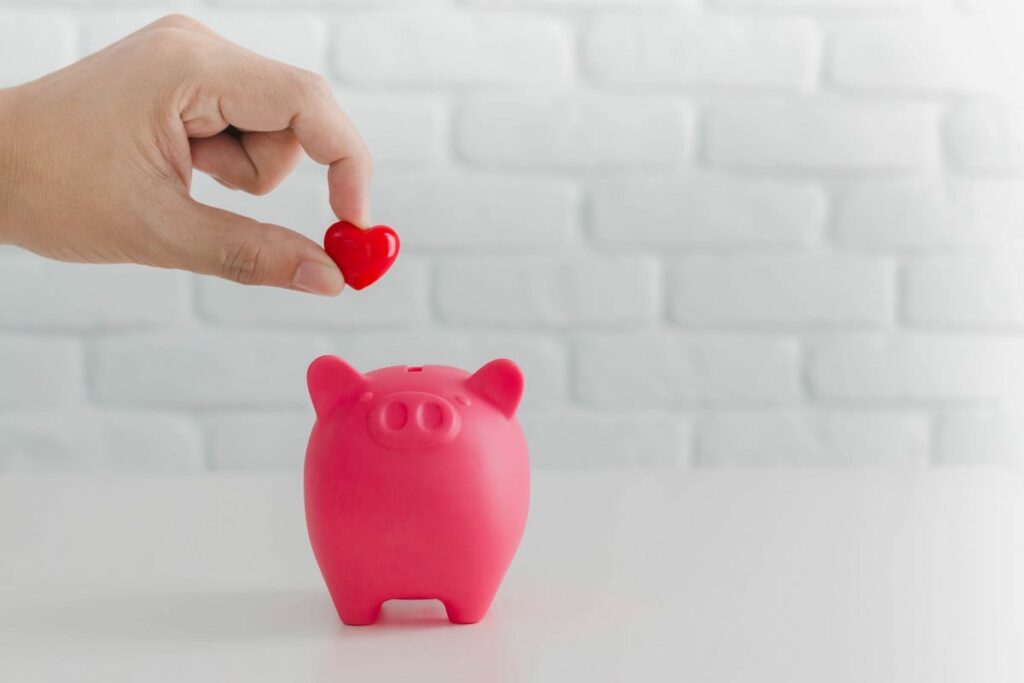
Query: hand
(96, 159)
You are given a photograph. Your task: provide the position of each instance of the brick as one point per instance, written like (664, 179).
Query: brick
(953, 55)
(987, 137)
(918, 367)
(927, 214)
(398, 299)
(468, 211)
(205, 370)
(816, 135)
(106, 442)
(705, 210)
(402, 131)
(586, 440)
(47, 295)
(573, 131)
(296, 38)
(993, 436)
(38, 371)
(664, 370)
(815, 438)
(258, 441)
(582, 4)
(331, 3)
(733, 52)
(965, 290)
(548, 291)
(786, 289)
(45, 3)
(822, 5)
(24, 52)
(446, 47)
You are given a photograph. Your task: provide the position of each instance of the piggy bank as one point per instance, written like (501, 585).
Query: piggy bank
(417, 484)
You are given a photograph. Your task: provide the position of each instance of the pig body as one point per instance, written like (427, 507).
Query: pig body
(416, 484)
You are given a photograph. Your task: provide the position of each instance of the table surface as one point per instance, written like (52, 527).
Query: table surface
(713, 577)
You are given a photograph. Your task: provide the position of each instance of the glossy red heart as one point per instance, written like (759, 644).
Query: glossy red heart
(363, 256)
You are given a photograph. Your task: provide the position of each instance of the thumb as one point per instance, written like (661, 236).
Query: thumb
(217, 242)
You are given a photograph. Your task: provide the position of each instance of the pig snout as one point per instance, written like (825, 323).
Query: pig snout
(413, 420)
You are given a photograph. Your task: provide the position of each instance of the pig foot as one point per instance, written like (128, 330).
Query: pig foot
(358, 612)
(467, 610)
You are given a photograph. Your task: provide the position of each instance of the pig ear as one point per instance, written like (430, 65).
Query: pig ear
(500, 382)
(331, 381)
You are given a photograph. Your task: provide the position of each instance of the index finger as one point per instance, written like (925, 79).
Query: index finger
(254, 93)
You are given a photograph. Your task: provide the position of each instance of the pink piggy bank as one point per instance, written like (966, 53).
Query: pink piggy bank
(417, 484)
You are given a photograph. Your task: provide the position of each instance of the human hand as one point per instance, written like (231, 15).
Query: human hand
(96, 159)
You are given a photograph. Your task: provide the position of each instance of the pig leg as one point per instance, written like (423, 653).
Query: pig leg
(356, 609)
(469, 608)
(358, 612)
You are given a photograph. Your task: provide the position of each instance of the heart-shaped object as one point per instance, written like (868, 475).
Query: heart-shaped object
(363, 256)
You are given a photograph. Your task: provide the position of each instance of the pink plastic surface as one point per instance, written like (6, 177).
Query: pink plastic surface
(417, 484)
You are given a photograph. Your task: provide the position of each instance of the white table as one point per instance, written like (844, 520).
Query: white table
(828, 577)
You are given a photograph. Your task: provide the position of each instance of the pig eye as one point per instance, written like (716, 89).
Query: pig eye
(462, 400)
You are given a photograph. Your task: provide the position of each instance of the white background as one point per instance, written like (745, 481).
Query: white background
(719, 233)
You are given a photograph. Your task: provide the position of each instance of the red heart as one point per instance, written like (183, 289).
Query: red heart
(362, 255)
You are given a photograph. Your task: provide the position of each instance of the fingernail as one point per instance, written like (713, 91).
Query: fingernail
(318, 278)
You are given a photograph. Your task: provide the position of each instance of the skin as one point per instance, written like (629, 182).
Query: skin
(96, 159)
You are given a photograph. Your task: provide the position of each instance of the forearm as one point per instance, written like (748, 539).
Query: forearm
(9, 173)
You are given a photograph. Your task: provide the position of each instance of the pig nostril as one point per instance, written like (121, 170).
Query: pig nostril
(396, 415)
(430, 416)
(412, 420)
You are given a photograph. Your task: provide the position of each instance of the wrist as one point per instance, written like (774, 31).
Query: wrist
(9, 141)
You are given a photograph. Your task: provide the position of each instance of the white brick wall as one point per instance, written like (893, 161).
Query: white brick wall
(909, 55)
(820, 135)
(971, 290)
(676, 371)
(95, 441)
(573, 131)
(447, 47)
(982, 436)
(701, 209)
(540, 290)
(38, 373)
(713, 232)
(782, 289)
(806, 438)
(919, 368)
(930, 213)
(476, 211)
(987, 137)
(726, 52)
(200, 369)
(43, 295)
